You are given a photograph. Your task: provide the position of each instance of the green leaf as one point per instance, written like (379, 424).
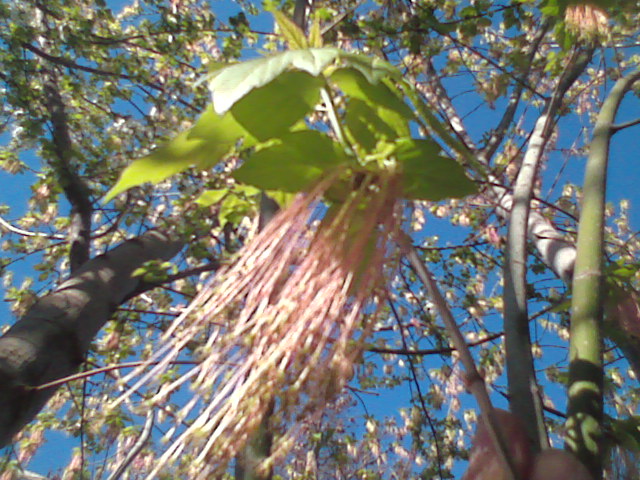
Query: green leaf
(290, 31)
(353, 83)
(292, 164)
(210, 197)
(176, 156)
(246, 190)
(229, 85)
(210, 139)
(234, 208)
(315, 33)
(396, 121)
(469, 12)
(369, 124)
(429, 176)
(550, 8)
(271, 110)
(154, 271)
(222, 130)
(283, 199)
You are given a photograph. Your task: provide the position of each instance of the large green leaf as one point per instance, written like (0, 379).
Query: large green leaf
(222, 131)
(210, 139)
(428, 175)
(232, 83)
(369, 124)
(174, 157)
(270, 111)
(293, 163)
(353, 83)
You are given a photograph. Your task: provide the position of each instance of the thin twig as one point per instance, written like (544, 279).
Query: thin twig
(96, 371)
(621, 126)
(476, 384)
(27, 233)
(431, 351)
(135, 449)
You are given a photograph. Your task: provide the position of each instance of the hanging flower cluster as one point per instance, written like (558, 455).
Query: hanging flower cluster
(587, 19)
(285, 323)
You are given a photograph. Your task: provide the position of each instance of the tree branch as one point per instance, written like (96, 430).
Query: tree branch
(622, 126)
(103, 73)
(26, 233)
(133, 452)
(50, 341)
(586, 377)
(476, 384)
(74, 187)
(431, 351)
(519, 360)
(506, 121)
(443, 102)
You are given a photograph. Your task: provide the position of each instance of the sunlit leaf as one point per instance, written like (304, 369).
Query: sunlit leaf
(271, 110)
(246, 190)
(353, 83)
(176, 156)
(290, 31)
(294, 163)
(223, 130)
(234, 208)
(204, 145)
(396, 121)
(373, 68)
(283, 199)
(429, 176)
(210, 197)
(232, 83)
(367, 124)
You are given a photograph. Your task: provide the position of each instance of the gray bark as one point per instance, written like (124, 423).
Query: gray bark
(52, 339)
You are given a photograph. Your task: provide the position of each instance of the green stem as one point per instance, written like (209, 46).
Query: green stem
(584, 419)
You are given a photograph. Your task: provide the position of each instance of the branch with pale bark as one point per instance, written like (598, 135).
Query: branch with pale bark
(520, 370)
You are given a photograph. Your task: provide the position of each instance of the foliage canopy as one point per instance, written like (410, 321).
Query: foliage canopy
(475, 117)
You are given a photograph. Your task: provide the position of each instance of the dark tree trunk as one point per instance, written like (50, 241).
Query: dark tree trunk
(52, 339)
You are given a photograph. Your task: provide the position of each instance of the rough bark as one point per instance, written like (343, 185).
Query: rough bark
(52, 339)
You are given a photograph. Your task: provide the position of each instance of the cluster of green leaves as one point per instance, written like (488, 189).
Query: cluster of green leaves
(260, 110)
